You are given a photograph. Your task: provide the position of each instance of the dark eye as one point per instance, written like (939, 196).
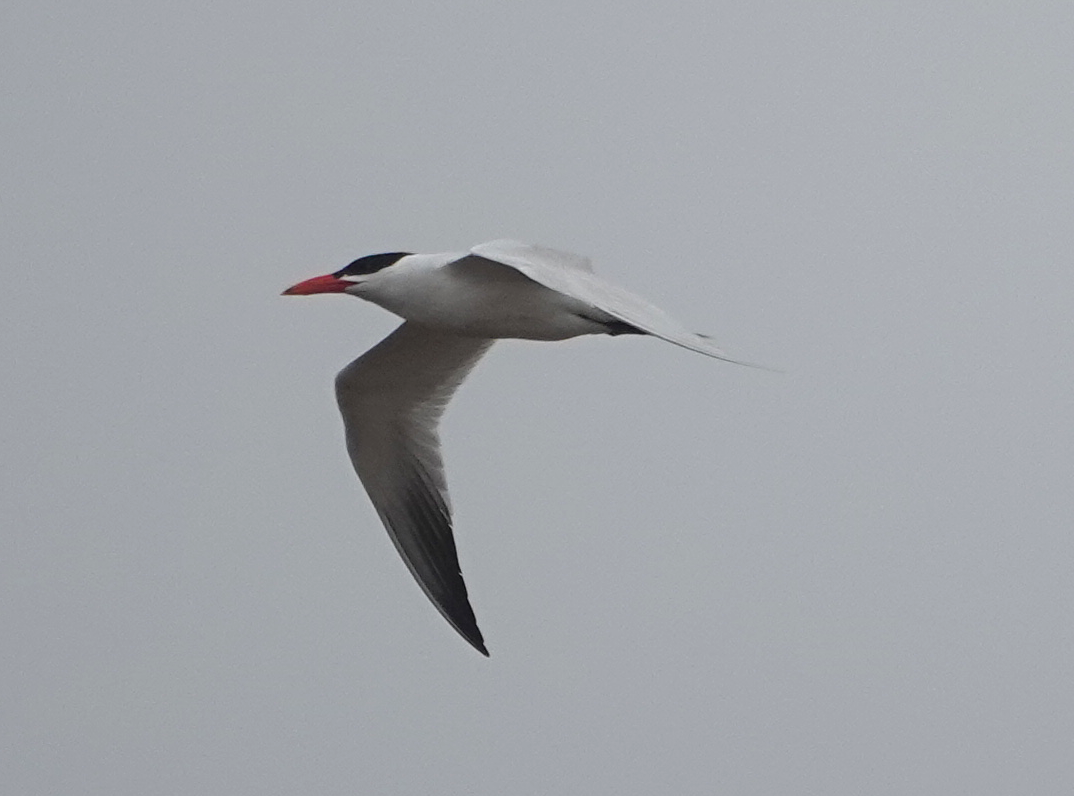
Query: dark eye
(370, 264)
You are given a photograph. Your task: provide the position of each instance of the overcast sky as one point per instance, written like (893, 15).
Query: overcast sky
(694, 578)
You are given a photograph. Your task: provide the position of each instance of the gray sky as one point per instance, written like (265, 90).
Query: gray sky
(852, 578)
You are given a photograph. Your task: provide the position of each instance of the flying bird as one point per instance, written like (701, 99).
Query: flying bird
(454, 306)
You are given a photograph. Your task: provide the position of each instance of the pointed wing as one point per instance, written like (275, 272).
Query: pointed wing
(563, 273)
(391, 399)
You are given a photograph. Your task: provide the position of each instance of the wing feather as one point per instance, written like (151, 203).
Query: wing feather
(391, 399)
(561, 272)
(516, 254)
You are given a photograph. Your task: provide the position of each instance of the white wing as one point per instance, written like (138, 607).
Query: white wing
(573, 276)
(391, 399)
(515, 254)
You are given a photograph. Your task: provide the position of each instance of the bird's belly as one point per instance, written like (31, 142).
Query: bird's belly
(492, 302)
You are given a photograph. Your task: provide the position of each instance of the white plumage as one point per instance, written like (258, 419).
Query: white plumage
(454, 307)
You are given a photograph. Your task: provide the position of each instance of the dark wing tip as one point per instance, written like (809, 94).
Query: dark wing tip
(460, 616)
(463, 622)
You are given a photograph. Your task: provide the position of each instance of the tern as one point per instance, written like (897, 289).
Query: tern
(454, 306)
